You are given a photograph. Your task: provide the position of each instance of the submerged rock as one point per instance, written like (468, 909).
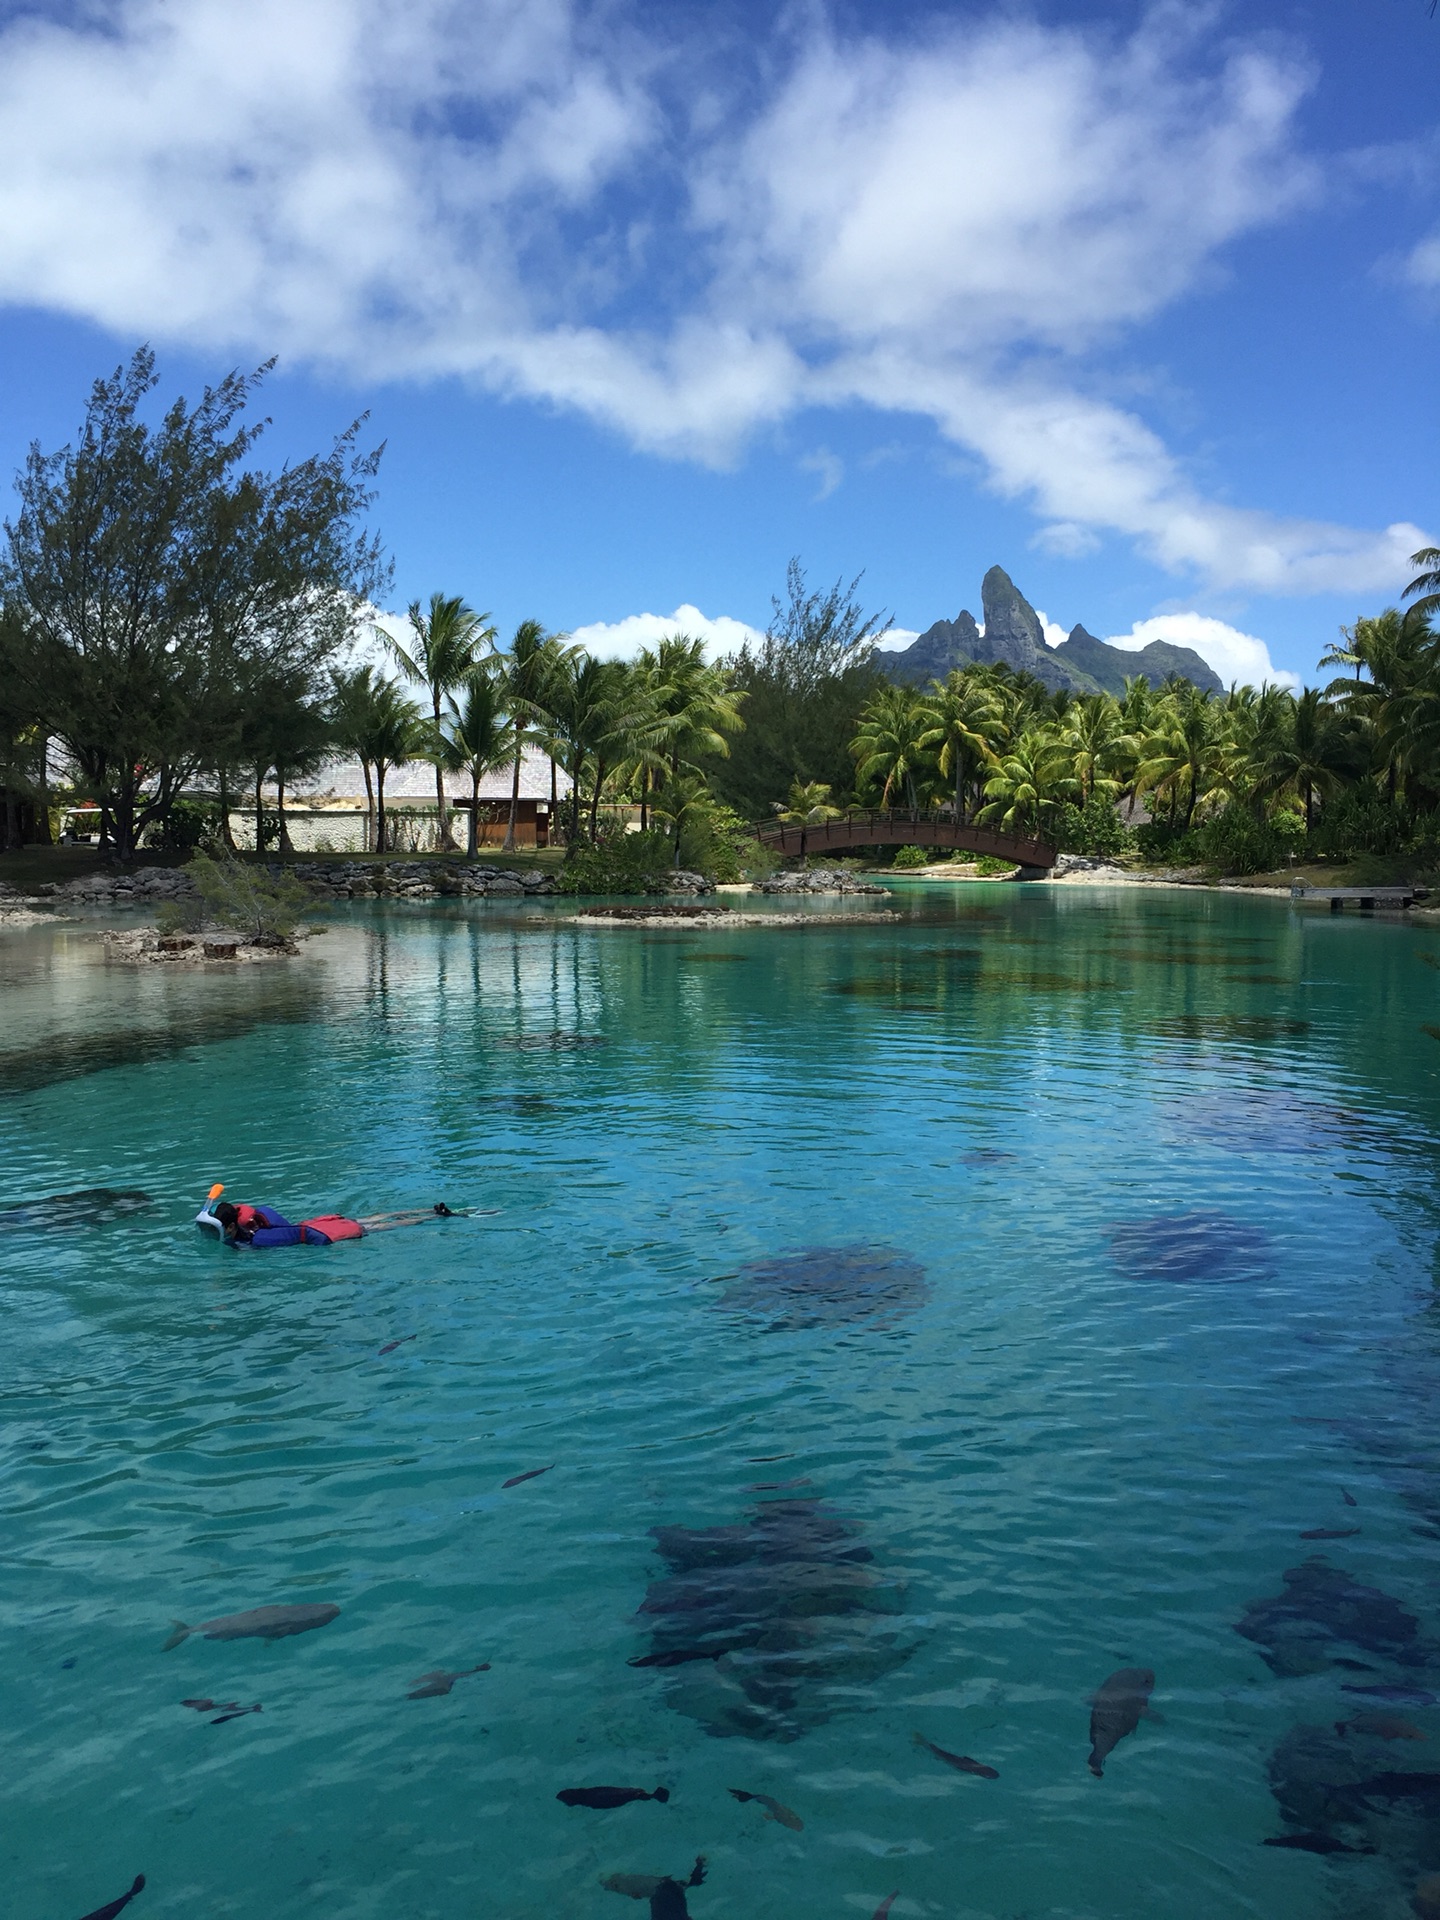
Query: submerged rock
(1298, 1630)
(830, 1287)
(1191, 1246)
(769, 1625)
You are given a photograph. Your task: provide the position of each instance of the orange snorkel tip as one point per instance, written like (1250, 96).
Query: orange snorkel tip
(215, 1192)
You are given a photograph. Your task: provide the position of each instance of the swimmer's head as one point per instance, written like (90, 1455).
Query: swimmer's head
(226, 1214)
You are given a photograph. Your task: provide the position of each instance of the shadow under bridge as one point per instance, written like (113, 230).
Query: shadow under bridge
(897, 827)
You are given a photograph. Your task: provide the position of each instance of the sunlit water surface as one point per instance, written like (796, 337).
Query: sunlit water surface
(1070, 1251)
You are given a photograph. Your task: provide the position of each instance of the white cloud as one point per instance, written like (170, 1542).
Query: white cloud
(623, 639)
(1234, 655)
(827, 467)
(1053, 634)
(896, 638)
(943, 224)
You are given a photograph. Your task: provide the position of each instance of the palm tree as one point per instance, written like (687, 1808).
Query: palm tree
(531, 669)
(448, 644)
(965, 719)
(381, 727)
(684, 799)
(1316, 754)
(683, 710)
(892, 743)
(1093, 740)
(807, 805)
(479, 739)
(1028, 781)
(1183, 755)
(588, 713)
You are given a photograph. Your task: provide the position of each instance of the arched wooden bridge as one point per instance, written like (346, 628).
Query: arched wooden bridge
(864, 827)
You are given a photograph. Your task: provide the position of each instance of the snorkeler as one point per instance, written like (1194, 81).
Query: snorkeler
(252, 1226)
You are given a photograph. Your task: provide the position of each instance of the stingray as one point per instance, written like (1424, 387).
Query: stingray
(1190, 1246)
(829, 1287)
(62, 1212)
(764, 1628)
(1252, 1120)
(1300, 1630)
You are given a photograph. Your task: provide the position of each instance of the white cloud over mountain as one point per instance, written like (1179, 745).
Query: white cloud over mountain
(1234, 655)
(525, 193)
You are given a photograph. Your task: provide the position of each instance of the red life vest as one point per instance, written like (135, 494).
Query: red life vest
(326, 1227)
(247, 1217)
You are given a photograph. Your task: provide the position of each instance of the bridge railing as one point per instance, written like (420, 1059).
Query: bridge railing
(890, 826)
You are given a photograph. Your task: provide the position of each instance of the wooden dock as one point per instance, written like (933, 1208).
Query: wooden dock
(1366, 898)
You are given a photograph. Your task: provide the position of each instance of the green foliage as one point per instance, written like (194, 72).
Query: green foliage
(801, 688)
(189, 826)
(619, 862)
(1095, 829)
(1364, 820)
(987, 866)
(158, 588)
(1240, 841)
(249, 897)
(910, 857)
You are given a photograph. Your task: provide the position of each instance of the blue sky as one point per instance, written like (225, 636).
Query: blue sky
(643, 298)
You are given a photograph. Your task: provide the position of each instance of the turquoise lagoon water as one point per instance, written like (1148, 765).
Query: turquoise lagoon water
(1148, 1184)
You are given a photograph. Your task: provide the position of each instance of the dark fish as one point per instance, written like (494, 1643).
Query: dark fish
(431, 1685)
(1398, 1696)
(1348, 1498)
(1313, 1843)
(1353, 1666)
(227, 1709)
(1330, 1533)
(960, 1761)
(885, 1905)
(681, 1656)
(1116, 1710)
(391, 1345)
(112, 1907)
(667, 1902)
(764, 1459)
(1298, 1630)
(607, 1797)
(1380, 1726)
(93, 1207)
(777, 1486)
(774, 1810)
(260, 1623)
(533, 1474)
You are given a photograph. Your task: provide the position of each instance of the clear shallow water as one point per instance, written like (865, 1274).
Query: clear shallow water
(1152, 1181)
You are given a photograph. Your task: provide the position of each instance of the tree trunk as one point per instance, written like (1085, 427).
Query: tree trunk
(367, 839)
(595, 798)
(1309, 801)
(11, 841)
(509, 846)
(472, 838)
(285, 846)
(227, 835)
(554, 796)
(259, 814)
(42, 794)
(444, 839)
(106, 837)
(379, 806)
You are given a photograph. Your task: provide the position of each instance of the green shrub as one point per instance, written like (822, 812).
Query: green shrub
(1364, 820)
(1238, 841)
(185, 915)
(988, 865)
(618, 862)
(1095, 829)
(264, 904)
(909, 857)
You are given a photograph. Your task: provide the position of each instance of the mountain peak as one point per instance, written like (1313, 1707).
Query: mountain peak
(1014, 636)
